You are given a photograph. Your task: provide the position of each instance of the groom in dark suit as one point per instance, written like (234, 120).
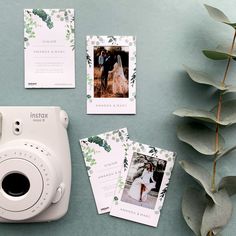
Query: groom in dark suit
(106, 68)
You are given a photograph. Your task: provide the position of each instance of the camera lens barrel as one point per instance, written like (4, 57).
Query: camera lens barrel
(16, 184)
(28, 181)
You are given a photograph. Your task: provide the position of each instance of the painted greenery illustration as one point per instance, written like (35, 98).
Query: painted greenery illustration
(101, 142)
(133, 77)
(49, 17)
(164, 191)
(44, 16)
(112, 39)
(70, 28)
(29, 25)
(89, 60)
(208, 210)
(120, 183)
(126, 146)
(119, 135)
(153, 150)
(88, 153)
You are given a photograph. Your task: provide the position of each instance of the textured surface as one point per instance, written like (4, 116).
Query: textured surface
(169, 34)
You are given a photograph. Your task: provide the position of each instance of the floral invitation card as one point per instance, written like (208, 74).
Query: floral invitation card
(111, 75)
(143, 183)
(49, 43)
(104, 157)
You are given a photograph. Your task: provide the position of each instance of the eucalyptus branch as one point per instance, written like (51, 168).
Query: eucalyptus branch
(201, 215)
(218, 115)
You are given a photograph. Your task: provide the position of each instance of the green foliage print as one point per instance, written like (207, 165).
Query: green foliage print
(89, 82)
(52, 15)
(163, 192)
(118, 135)
(70, 29)
(115, 199)
(120, 184)
(88, 155)
(44, 16)
(101, 142)
(29, 25)
(112, 39)
(89, 60)
(67, 16)
(126, 162)
(133, 78)
(153, 151)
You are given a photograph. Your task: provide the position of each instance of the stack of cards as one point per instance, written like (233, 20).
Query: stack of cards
(128, 179)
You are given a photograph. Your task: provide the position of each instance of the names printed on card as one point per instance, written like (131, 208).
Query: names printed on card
(104, 156)
(139, 196)
(111, 75)
(49, 48)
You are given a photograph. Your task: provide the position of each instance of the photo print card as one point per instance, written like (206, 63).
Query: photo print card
(49, 44)
(143, 183)
(111, 75)
(104, 157)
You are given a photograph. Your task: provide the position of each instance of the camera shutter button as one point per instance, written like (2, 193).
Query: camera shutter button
(64, 118)
(59, 193)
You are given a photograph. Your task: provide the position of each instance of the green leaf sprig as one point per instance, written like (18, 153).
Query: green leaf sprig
(208, 208)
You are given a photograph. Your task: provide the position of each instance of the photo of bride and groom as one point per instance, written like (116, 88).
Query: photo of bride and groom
(111, 72)
(143, 181)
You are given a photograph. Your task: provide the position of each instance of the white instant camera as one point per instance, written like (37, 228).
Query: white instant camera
(35, 165)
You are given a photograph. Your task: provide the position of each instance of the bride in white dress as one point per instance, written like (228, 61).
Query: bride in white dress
(120, 83)
(142, 185)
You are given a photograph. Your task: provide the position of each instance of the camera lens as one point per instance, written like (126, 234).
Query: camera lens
(15, 184)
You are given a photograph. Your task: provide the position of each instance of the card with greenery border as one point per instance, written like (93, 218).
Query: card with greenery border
(143, 183)
(49, 44)
(111, 75)
(104, 156)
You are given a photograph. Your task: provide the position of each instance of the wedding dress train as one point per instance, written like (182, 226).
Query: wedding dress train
(120, 83)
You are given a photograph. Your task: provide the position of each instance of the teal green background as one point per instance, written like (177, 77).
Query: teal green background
(169, 33)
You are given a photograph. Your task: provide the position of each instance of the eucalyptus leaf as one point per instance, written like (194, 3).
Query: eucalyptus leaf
(200, 137)
(226, 151)
(218, 55)
(201, 175)
(203, 78)
(228, 112)
(229, 184)
(216, 216)
(218, 15)
(193, 207)
(197, 114)
(222, 52)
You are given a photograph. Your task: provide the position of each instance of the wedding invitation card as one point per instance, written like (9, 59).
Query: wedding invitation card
(111, 75)
(143, 183)
(104, 157)
(49, 44)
